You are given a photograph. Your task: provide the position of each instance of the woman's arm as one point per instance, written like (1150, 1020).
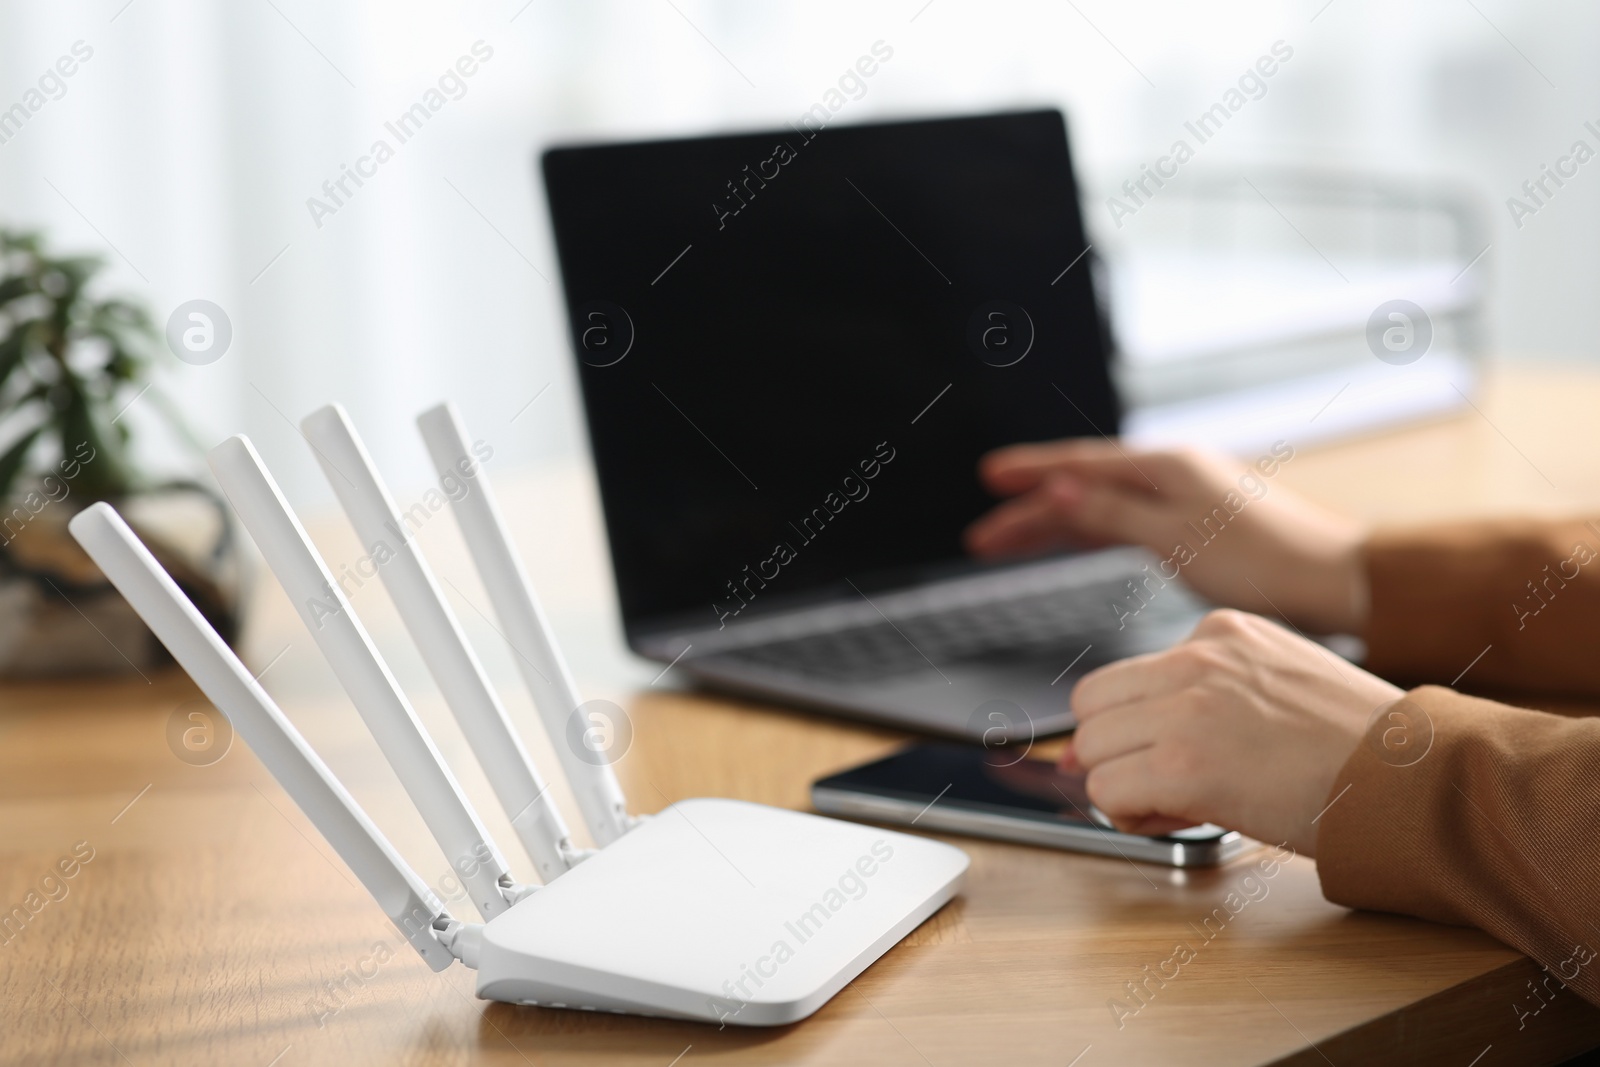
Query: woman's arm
(1426, 803)
(1523, 595)
(1490, 819)
(1234, 535)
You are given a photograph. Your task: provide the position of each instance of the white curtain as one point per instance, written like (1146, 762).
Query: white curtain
(187, 145)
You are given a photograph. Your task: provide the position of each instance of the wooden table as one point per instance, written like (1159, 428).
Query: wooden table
(211, 917)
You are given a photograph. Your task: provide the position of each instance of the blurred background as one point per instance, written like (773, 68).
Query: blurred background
(198, 148)
(187, 146)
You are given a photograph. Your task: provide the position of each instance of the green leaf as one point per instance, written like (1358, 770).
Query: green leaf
(98, 353)
(11, 350)
(11, 462)
(11, 288)
(107, 475)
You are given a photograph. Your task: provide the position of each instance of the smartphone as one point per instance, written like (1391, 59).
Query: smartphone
(1003, 794)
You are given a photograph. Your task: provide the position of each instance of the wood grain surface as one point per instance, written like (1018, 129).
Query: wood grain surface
(212, 925)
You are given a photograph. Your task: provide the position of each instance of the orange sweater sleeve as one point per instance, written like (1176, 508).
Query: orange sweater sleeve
(1478, 814)
(1468, 811)
(1509, 604)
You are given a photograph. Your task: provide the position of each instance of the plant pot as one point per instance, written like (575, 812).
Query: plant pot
(58, 614)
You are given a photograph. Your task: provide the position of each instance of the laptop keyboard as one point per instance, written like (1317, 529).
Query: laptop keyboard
(1023, 626)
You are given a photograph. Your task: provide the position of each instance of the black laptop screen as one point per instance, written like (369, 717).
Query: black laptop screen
(794, 347)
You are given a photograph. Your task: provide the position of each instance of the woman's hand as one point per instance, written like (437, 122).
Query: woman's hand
(1234, 538)
(1244, 725)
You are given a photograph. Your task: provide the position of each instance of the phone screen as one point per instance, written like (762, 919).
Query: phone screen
(1002, 779)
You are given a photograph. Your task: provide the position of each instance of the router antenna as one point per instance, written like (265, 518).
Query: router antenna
(365, 677)
(439, 638)
(228, 684)
(543, 667)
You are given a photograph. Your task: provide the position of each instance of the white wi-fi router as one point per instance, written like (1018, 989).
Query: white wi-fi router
(712, 909)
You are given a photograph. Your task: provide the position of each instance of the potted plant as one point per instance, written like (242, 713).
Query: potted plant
(71, 365)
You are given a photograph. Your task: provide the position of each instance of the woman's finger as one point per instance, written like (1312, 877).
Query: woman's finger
(1032, 522)
(1153, 825)
(1021, 467)
(1137, 678)
(1065, 510)
(1119, 733)
(1130, 792)
(1110, 513)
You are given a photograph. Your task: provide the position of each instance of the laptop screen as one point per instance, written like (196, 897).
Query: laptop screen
(795, 346)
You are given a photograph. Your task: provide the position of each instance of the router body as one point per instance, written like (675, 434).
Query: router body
(762, 934)
(715, 910)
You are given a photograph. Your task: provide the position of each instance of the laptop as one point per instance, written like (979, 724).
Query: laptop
(793, 348)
